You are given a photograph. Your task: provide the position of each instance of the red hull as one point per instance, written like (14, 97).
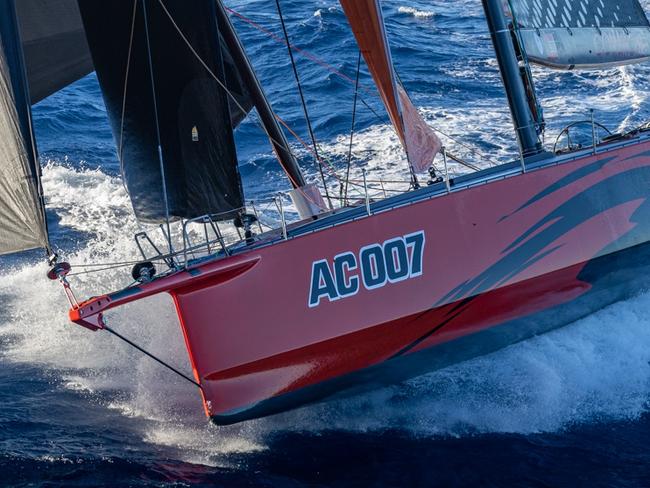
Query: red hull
(494, 254)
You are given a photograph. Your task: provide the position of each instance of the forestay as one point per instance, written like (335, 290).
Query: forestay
(22, 223)
(582, 34)
(419, 141)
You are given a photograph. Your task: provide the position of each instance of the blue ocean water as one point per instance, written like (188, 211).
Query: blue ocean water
(571, 408)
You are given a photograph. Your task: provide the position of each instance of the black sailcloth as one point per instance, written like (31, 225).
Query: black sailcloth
(194, 130)
(54, 43)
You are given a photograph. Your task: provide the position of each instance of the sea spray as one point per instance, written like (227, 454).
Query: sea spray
(594, 370)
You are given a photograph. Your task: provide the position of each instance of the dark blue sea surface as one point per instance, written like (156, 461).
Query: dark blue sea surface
(571, 408)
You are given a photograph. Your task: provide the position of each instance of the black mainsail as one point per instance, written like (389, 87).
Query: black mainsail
(22, 216)
(157, 63)
(568, 34)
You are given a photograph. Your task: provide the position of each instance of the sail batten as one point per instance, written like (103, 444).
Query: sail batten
(584, 34)
(22, 217)
(419, 141)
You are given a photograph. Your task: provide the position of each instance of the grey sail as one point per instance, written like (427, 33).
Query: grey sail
(22, 222)
(54, 44)
(582, 34)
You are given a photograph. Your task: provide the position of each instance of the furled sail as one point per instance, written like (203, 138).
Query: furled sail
(156, 61)
(568, 34)
(306, 197)
(419, 141)
(22, 222)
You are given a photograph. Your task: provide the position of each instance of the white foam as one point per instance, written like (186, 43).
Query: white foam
(597, 368)
(57, 460)
(594, 369)
(420, 14)
(203, 445)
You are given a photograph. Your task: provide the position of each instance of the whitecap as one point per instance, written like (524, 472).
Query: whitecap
(419, 14)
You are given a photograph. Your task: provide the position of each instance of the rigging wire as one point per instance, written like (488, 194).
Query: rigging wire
(311, 57)
(126, 87)
(332, 69)
(97, 265)
(109, 268)
(344, 191)
(155, 109)
(120, 150)
(356, 183)
(304, 103)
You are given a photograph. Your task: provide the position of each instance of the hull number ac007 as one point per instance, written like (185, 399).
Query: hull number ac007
(375, 266)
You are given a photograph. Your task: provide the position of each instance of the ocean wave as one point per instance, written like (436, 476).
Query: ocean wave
(419, 14)
(594, 369)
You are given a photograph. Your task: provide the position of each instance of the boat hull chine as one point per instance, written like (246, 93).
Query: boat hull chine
(353, 301)
(545, 306)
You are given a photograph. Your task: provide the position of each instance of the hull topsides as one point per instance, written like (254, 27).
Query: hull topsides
(413, 288)
(416, 288)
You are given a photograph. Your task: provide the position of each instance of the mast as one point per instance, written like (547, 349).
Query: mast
(522, 116)
(267, 116)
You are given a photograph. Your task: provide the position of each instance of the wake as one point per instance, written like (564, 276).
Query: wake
(594, 370)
